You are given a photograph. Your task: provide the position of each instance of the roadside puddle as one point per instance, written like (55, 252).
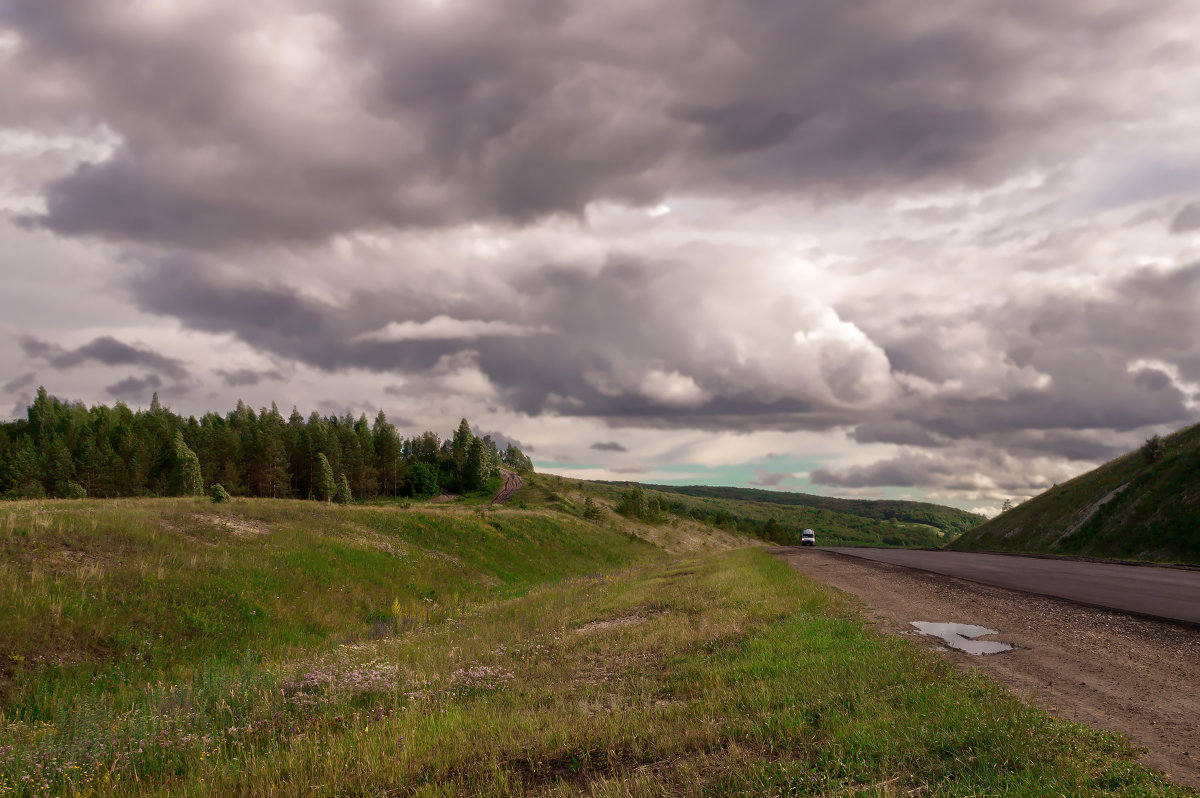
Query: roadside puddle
(960, 636)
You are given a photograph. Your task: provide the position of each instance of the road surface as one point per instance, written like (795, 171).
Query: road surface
(1156, 591)
(1107, 668)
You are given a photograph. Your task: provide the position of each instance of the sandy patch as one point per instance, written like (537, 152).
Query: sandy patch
(241, 528)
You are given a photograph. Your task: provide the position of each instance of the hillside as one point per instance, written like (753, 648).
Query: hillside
(1138, 506)
(780, 516)
(292, 648)
(125, 589)
(950, 520)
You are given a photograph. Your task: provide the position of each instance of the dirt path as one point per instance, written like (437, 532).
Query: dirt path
(1100, 667)
(512, 484)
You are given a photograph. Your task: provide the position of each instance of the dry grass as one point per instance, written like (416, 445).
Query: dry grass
(722, 673)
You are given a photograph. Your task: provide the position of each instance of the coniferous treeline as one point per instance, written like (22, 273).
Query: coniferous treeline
(71, 451)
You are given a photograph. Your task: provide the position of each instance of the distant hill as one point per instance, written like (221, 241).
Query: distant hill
(782, 515)
(1144, 505)
(947, 519)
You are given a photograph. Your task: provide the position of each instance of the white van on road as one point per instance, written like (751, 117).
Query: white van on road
(808, 538)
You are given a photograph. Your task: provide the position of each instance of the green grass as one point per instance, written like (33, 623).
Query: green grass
(748, 511)
(130, 591)
(1126, 509)
(950, 520)
(725, 673)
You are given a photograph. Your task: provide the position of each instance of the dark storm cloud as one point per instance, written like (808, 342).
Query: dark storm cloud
(135, 389)
(341, 409)
(1058, 361)
(279, 319)
(1075, 362)
(904, 471)
(770, 479)
(611, 334)
(891, 430)
(106, 350)
(238, 378)
(610, 446)
(1086, 446)
(1187, 220)
(502, 441)
(17, 383)
(1073, 378)
(433, 115)
(976, 469)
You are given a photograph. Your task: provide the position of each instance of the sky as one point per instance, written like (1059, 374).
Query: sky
(881, 248)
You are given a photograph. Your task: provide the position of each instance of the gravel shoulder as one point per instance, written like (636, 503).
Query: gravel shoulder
(1104, 668)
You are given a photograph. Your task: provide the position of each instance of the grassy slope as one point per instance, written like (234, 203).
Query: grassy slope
(838, 522)
(673, 533)
(1152, 512)
(718, 673)
(948, 519)
(136, 590)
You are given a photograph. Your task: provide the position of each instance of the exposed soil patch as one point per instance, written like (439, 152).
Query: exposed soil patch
(198, 526)
(236, 527)
(1100, 667)
(512, 484)
(611, 623)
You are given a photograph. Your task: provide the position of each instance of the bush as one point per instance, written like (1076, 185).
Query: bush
(633, 503)
(422, 481)
(218, 493)
(1152, 450)
(591, 510)
(74, 491)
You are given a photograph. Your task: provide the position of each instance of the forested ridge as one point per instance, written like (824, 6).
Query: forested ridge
(949, 519)
(69, 450)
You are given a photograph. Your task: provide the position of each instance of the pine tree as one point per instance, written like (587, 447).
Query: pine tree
(186, 479)
(343, 495)
(387, 455)
(323, 484)
(460, 446)
(517, 460)
(1152, 450)
(633, 503)
(474, 469)
(367, 482)
(69, 450)
(591, 510)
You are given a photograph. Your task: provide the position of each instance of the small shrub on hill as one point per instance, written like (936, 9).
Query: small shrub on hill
(591, 510)
(218, 493)
(1152, 450)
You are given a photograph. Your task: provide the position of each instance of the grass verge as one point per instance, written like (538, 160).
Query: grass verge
(100, 597)
(717, 674)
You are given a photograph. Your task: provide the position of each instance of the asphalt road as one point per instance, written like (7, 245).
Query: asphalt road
(1172, 593)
